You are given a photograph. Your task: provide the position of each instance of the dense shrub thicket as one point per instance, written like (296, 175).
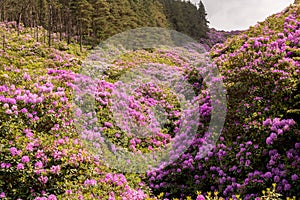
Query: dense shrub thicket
(42, 155)
(46, 155)
(261, 139)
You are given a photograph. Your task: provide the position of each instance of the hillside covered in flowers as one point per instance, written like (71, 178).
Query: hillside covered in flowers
(45, 154)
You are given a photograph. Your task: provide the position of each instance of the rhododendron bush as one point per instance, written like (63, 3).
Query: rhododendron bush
(71, 135)
(42, 156)
(261, 139)
(214, 37)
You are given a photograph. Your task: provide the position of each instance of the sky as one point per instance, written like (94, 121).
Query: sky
(240, 14)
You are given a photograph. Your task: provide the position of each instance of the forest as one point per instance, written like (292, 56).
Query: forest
(92, 21)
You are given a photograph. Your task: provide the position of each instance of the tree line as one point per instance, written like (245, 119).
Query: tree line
(92, 21)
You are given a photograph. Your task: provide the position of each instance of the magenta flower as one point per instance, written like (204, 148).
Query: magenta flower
(39, 153)
(3, 165)
(287, 187)
(269, 141)
(69, 191)
(90, 182)
(25, 159)
(108, 124)
(249, 143)
(38, 165)
(268, 175)
(55, 169)
(247, 163)
(200, 197)
(111, 196)
(13, 151)
(279, 131)
(29, 147)
(294, 177)
(43, 179)
(273, 136)
(27, 77)
(20, 166)
(40, 198)
(52, 197)
(57, 155)
(2, 195)
(267, 122)
(28, 132)
(8, 111)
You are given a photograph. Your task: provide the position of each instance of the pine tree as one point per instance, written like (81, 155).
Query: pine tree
(184, 17)
(82, 11)
(122, 16)
(95, 20)
(100, 18)
(204, 23)
(149, 13)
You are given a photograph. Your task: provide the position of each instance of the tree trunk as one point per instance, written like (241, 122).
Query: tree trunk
(31, 17)
(49, 25)
(3, 12)
(37, 33)
(68, 34)
(60, 27)
(19, 22)
(45, 35)
(3, 42)
(80, 36)
(68, 27)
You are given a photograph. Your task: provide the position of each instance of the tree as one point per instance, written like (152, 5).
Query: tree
(149, 13)
(202, 18)
(50, 9)
(122, 16)
(3, 8)
(100, 18)
(184, 17)
(82, 11)
(92, 21)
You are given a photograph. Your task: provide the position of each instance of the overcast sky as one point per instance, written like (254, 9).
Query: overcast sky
(240, 14)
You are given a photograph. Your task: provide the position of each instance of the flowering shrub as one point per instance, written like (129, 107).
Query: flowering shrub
(214, 37)
(46, 155)
(261, 137)
(41, 154)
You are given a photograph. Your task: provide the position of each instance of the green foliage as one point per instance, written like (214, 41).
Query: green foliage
(185, 17)
(41, 144)
(92, 21)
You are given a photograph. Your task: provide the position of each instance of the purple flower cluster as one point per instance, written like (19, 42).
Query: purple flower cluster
(120, 181)
(215, 36)
(260, 144)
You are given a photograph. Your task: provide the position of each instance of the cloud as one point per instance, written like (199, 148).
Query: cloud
(240, 14)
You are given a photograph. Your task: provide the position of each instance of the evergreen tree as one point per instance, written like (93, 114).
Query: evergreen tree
(93, 21)
(186, 18)
(82, 10)
(100, 18)
(149, 13)
(204, 22)
(122, 16)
